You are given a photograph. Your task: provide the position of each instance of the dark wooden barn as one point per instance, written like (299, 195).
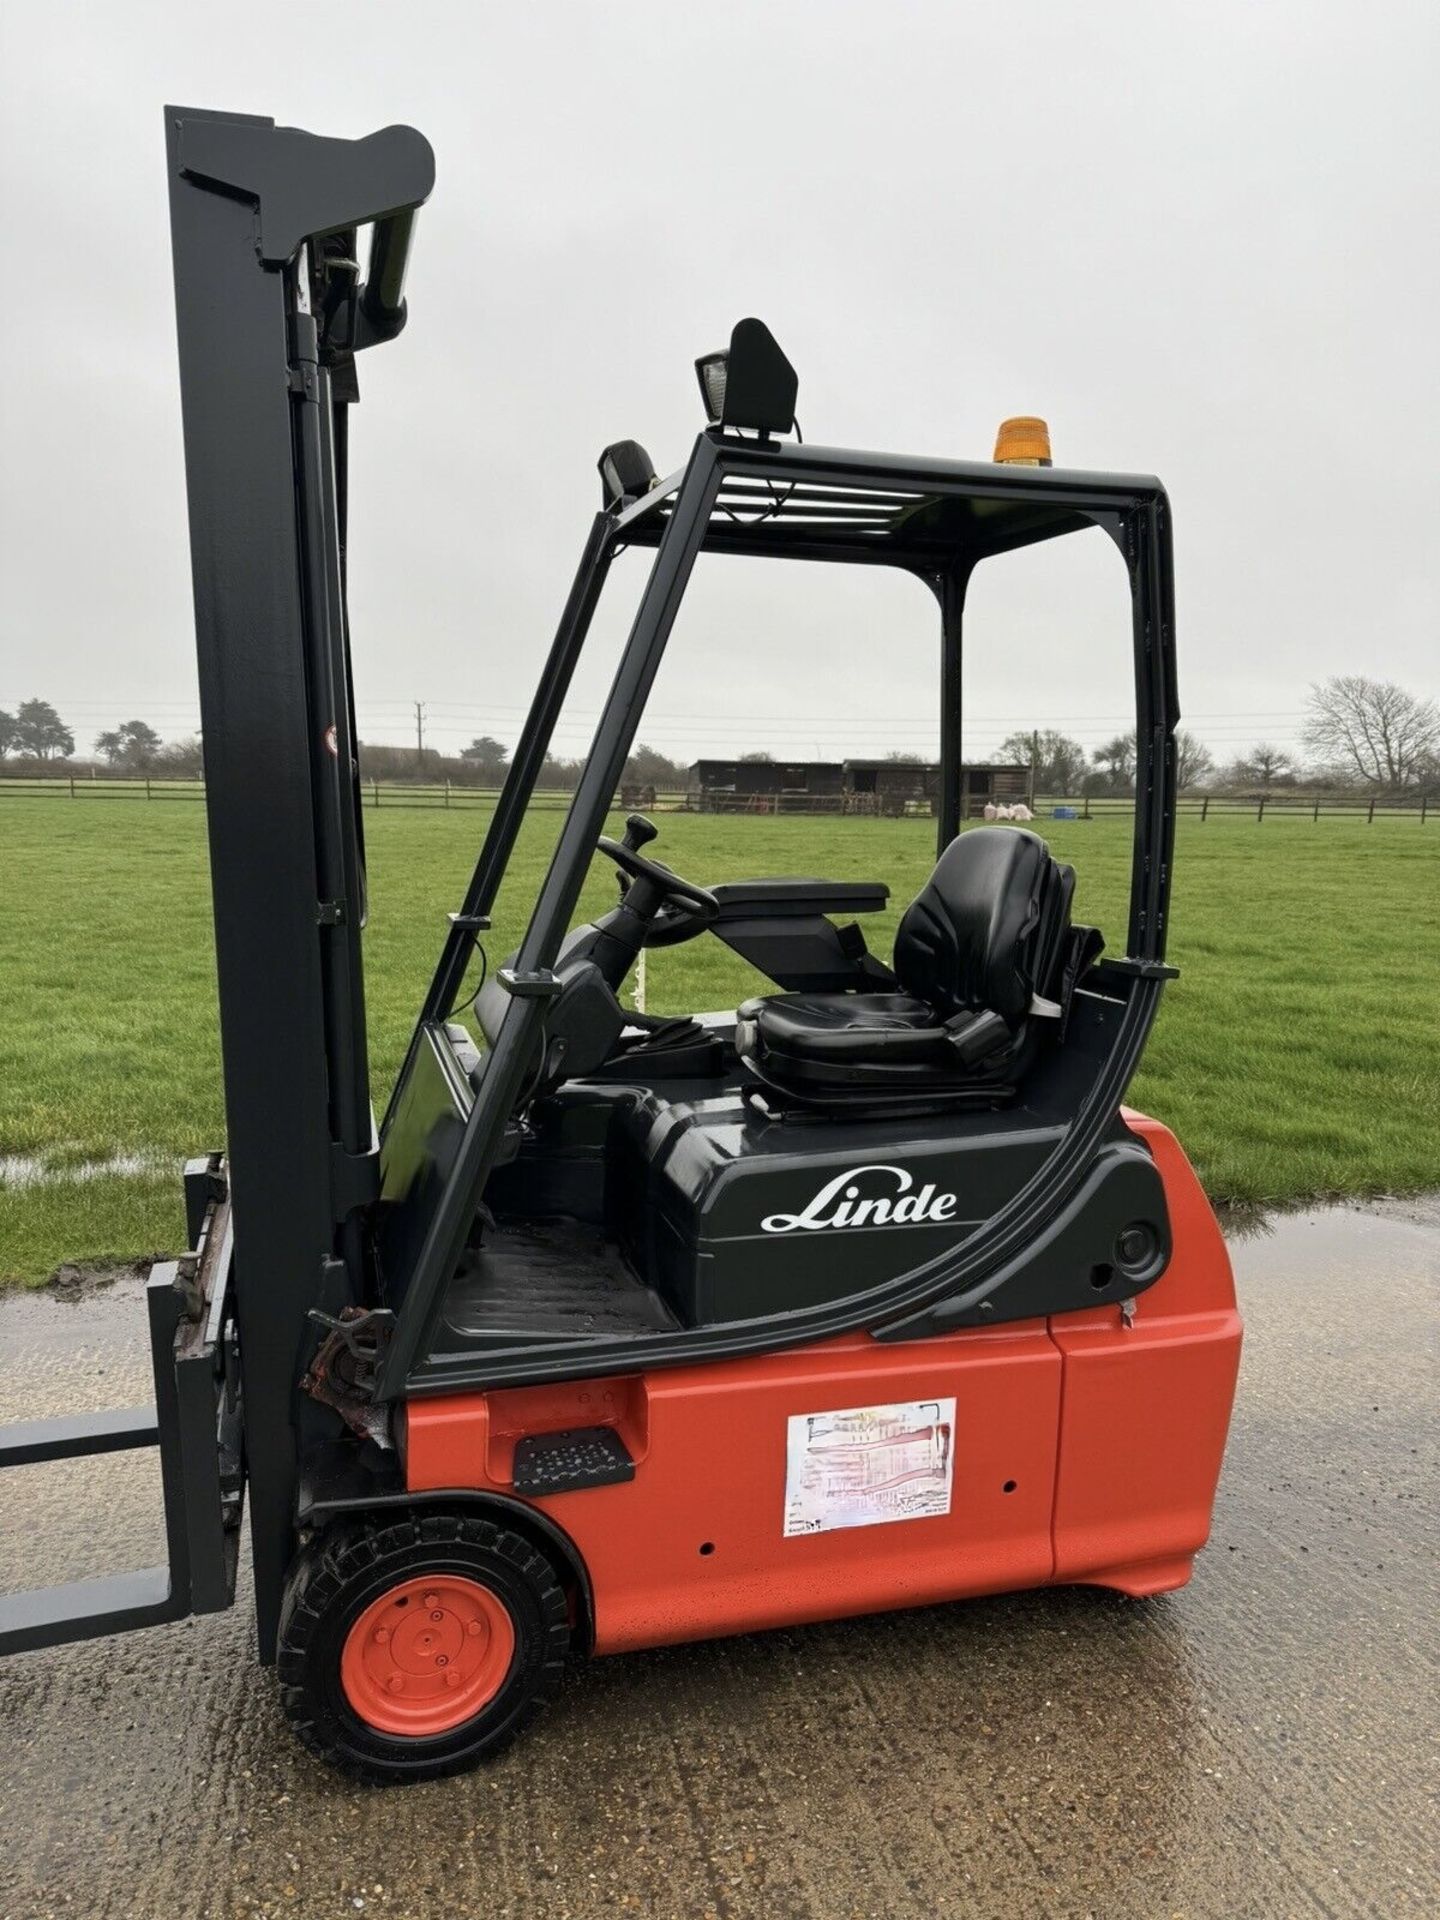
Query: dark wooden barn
(888, 788)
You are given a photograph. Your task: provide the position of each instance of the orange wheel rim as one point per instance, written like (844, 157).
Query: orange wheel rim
(427, 1655)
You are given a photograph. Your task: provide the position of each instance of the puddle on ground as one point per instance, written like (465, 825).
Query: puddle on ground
(1240, 1223)
(21, 1170)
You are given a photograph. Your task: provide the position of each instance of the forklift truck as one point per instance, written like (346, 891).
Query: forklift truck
(620, 1330)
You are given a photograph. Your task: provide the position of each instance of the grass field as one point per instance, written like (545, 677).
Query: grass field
(1297, 1055)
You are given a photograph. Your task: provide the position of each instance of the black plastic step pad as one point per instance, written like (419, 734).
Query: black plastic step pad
(579, 1457)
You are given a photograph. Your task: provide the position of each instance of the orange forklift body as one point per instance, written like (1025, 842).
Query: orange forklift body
(1087, 1448)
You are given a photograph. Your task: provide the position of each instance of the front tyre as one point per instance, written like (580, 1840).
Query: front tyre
(418, 1646)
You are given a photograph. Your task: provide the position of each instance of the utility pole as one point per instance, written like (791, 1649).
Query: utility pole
(419, 734)
(1034, 762)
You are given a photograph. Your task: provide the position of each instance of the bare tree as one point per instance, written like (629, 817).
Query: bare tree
(649, 767)
(1193, 760)
(1262, 766)
(1057, 760)
(1372, 728)
(182, 758)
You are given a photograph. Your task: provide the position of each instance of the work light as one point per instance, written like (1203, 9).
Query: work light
(712, 369)
(626, 471)
(751, 384)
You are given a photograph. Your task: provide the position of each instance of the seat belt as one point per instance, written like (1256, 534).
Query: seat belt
(1082, 949)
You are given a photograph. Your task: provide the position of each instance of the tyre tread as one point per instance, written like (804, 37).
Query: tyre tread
(324, 1571)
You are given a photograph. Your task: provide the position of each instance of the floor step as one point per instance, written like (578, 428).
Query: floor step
(579, 1457)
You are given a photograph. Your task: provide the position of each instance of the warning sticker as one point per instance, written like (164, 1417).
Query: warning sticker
(865, 1465)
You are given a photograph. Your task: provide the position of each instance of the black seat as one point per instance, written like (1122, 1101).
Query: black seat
(984, 958)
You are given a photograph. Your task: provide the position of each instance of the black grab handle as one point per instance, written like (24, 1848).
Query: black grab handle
(382, 298)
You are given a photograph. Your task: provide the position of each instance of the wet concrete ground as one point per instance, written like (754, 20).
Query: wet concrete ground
(1262, 1743)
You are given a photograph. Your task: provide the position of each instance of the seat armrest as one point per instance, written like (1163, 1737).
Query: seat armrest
(798, 898)
(804, 952)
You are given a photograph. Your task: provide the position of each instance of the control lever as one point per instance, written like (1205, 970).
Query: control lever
(639, 832)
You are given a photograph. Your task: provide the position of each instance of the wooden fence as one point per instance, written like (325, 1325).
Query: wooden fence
(1285, 803)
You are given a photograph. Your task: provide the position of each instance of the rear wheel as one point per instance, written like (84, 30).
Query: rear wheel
(418, 1646)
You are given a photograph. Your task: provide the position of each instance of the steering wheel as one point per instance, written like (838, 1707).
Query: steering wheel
(676, 909)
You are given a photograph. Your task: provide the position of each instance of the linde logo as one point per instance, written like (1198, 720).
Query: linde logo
(840, 1203)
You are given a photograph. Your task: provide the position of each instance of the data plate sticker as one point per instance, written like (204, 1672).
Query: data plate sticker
(863, 1466)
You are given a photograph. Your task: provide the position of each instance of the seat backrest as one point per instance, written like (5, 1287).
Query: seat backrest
(986, 930)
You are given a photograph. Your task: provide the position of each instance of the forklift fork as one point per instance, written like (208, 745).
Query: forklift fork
(196, 1424)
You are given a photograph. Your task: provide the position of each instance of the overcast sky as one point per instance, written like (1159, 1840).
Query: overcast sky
(1200, 239)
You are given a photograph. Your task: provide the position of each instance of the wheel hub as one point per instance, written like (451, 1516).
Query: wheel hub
(428, 1655)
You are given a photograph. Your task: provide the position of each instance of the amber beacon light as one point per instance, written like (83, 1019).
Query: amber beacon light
(1023, 442)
